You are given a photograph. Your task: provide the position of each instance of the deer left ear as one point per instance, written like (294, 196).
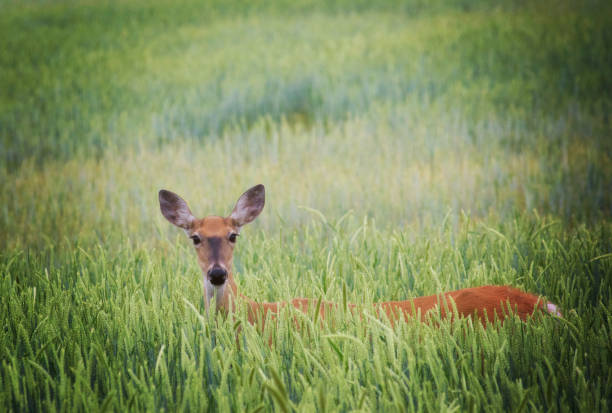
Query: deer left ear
(249, 205)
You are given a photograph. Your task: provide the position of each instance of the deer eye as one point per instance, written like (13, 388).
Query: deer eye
(232, 237)
(196, 239)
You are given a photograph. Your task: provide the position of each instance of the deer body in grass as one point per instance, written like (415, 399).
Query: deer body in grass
(215, 237)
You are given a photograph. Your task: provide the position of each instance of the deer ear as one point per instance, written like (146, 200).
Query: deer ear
(175, 209)
(249, 205)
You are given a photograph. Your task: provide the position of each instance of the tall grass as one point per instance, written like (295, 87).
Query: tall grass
(96, 329)
(407, 148)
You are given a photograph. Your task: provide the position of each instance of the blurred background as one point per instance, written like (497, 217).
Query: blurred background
(402, 111)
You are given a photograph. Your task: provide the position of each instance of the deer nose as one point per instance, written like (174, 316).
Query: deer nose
(217, 275)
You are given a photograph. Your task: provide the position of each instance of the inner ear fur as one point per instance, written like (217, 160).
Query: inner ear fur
(175, 209)
(249, 205)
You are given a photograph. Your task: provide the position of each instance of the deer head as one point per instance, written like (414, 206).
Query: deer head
(214, 238)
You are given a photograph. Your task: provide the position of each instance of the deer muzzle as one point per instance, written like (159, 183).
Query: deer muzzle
(217, 275)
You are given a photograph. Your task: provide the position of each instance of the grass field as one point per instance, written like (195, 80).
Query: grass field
(407, 148)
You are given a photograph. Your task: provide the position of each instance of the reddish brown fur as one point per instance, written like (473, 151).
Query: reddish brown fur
(485, 303)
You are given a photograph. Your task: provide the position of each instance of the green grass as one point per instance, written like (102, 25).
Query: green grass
(407, 148)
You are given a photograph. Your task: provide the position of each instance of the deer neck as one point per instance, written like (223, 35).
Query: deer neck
(223, 296)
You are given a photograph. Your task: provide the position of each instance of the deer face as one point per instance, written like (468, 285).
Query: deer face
(213, 237)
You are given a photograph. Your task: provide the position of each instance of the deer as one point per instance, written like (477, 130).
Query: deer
(214, 239)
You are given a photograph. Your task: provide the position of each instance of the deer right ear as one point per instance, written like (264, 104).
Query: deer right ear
(175, 209)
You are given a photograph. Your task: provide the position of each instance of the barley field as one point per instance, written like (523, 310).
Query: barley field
(407, 148)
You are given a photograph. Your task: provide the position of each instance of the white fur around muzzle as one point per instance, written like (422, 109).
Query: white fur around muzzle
(212, 290)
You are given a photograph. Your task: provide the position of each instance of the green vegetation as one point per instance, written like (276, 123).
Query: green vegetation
(407, 148)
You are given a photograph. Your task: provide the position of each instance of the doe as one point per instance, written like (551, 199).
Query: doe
(215, 237)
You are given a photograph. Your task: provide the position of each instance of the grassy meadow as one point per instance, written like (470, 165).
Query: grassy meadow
(407, 148)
